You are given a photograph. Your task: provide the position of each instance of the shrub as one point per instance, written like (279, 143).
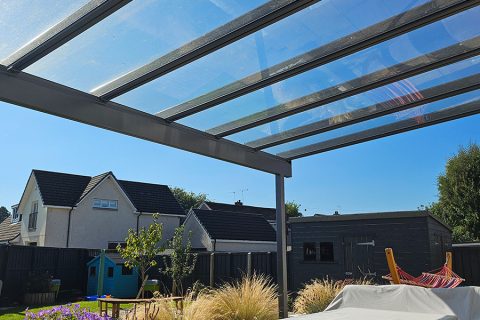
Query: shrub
(252, 298)
(318, 294)
(67, 312)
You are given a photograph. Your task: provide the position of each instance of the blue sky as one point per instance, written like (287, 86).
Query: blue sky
(394, 173)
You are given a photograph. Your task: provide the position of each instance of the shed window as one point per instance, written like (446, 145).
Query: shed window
(126, 271)
(110, 272)
(326, 251)
(93, 271)
(309, 253)
(113, 245)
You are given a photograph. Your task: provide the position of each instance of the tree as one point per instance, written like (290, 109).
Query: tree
(142, 248)
(4, 213)
(292, 209)
(182, 260)
(187, 199)
(459, 194)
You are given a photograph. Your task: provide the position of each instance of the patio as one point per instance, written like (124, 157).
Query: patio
(258, 83)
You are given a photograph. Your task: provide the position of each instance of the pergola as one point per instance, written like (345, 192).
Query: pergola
(405, 65)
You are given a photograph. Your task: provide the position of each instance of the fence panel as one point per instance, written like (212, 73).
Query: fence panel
(69, 265)
(466, 262)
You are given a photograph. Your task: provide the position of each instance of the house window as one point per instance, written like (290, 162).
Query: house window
(32, 219)
(126, 271)
(105, 204)
(93, 271)
(309, 252)
(326, 251)
(110, 272)
(15, 215)
(113, 245)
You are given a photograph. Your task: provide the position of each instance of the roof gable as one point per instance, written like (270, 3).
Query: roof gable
(152, 198)
(224, 225)
(267, 213)
(60, 189)
(67, 190)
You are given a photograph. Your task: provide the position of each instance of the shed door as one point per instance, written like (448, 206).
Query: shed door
(359, 254)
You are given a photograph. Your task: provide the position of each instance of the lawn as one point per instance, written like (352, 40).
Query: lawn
(18, 313)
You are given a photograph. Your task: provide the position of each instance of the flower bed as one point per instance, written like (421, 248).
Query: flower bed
(66, 312)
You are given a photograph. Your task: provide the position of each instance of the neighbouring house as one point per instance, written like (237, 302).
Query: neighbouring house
(229, 231)
(269, 214)
(68, 210)
(353, 245)
(10, 228)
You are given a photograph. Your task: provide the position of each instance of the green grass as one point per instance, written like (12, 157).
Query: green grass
(18, 313)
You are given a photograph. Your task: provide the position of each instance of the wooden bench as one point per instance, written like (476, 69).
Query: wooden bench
(115, 302)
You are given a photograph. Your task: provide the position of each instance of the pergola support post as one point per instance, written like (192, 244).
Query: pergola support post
(281, 247)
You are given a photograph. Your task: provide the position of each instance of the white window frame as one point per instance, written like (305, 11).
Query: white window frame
(105, 204)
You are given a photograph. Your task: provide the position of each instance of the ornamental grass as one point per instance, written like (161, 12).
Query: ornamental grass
(252, 298)
(318, 294)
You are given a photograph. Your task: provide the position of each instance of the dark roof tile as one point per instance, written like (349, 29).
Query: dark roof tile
(268, 213)
(152, 198)
(224, 225)
(60, 189)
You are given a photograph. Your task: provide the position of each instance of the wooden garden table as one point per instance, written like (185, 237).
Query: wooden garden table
(116, 302)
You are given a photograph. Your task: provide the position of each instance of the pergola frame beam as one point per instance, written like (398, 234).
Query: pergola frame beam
(451, 113)
(62, 32)
(412, 67)
(42, 95)
(259, 18)
(402, 23)
(394, 105)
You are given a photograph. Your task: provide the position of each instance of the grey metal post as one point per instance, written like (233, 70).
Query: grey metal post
(281, 247)
(249, 264)
(212, 269)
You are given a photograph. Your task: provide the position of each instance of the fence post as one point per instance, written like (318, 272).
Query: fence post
(249, 264)
(212, 269)
(269, 262)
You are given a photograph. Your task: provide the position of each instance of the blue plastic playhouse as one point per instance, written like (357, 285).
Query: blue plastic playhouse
(118, 280)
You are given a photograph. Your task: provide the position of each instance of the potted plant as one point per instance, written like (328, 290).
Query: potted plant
(39, 289)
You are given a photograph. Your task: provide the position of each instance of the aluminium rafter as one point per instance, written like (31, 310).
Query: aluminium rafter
(404, 22)
(62, 32)
(412, 67)
(397, 104)
(42, 95)
(451, 113)
(266, 14)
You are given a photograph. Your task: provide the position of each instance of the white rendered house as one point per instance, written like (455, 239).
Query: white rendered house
(66, 210)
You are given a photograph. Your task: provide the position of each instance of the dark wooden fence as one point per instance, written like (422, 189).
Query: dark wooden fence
(69, 265)
(217, 268)
(18, 262)
(466, 263)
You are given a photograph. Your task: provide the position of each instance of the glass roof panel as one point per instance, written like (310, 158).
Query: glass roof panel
(136, 34)
(420, 114)
(412, 85)
(417, 43)
(23, 20)
(308, 29)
